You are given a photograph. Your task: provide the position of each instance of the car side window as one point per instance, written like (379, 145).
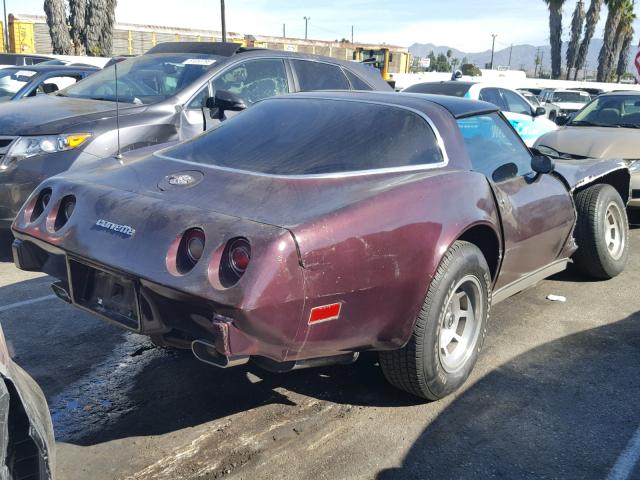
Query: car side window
(198, 101)
(492, 95)
(320, 76)
(254, 80)
(356, 82)
(515, 104)
(53, 84)
(494, 149)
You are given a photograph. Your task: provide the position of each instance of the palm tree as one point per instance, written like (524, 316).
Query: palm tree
(57, 21)
(77, 19)
(555, 35)
(625, 37)
(608, 50)
(591, 20)
(577, 23)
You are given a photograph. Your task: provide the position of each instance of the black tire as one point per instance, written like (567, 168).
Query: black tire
(598, 254)
(420, 367)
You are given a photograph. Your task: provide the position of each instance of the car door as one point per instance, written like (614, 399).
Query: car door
(251, 80)
(521, 116)
(536, 211)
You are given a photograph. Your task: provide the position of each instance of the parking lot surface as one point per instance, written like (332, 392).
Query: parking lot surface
(554, 395)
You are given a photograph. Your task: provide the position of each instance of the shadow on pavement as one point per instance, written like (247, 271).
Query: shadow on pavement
(565, 409)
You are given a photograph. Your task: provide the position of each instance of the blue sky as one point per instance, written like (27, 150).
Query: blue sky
(463, 24)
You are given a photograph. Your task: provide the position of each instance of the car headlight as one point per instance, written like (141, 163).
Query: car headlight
(25, 147)
(548, 151)
(634, 165)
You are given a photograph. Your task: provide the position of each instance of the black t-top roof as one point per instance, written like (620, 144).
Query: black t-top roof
(223, 49)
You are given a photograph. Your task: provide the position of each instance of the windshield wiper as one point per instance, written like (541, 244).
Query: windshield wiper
(60, 94)
(587, 123)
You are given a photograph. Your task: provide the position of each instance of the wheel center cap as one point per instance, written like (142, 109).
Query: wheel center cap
(449, 319)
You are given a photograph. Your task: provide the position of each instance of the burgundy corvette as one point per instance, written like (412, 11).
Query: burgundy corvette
(317, 226)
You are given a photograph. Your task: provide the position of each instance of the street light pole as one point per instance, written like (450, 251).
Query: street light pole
(306, 25)
(5, 33)
(351, 33)
(223, 21)
(493, 46)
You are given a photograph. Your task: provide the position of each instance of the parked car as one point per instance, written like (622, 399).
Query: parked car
(608, 127)
(166, 95)
(560, 103)
(23, 82)
(356, 221)
(528, 120)
(21, 59)
(27, 446)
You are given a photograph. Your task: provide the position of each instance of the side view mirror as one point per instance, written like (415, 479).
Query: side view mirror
(563, 120)
(225, 100)
(49, 88)
(542, 164)
(539, 111)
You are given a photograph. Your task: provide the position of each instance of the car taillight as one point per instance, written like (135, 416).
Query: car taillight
(65, 210)
(190, 250)
(44, 197)
(235, 260)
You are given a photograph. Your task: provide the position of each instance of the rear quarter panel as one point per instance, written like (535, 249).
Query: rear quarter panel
(378, 257)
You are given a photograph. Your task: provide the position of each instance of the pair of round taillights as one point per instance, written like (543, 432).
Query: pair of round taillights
(62, 214)
(234, 260)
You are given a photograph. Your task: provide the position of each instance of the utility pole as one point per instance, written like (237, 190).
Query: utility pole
(351, 33)
(306, 25)
(284, 30)
(6, 27)
(493, 47)
(510, 51)
(223, 21)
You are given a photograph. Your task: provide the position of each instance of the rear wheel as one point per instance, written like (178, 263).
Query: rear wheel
(602, 232)
(450, 328)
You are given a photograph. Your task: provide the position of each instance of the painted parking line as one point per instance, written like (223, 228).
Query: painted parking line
(26, 302)
(628, 459)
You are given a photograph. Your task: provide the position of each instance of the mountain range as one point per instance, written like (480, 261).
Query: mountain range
(522, 56)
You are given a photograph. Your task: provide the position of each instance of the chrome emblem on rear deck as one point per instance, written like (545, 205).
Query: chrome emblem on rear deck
(181, 179)
(124, 230)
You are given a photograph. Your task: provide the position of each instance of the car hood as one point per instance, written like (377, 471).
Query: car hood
(595, 142)
(52, 114)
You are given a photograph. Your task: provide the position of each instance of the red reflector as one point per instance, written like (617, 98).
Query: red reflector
(325, 313)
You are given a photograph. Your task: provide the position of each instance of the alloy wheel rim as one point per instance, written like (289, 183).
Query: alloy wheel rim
(613, 231)
(460, 324)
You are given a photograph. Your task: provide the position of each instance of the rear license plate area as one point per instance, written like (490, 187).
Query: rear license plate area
(109, 294)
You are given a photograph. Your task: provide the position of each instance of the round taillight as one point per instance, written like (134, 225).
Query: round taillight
(235, 260)
(65, 210)
(44, 197)
(190, 250)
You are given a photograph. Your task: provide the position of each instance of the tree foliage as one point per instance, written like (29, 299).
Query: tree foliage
(555, 35)
(609, 52)
(81, 26)
(591, 21)
(577, 23)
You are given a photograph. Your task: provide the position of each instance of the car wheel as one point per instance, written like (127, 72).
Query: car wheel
(450, 328)
(602, 232)
(552, 115)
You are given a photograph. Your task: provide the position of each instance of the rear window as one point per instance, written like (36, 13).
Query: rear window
(453, 89)
(314, 136)
(356, 82)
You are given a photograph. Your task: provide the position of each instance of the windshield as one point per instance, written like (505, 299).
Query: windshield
(145, 79)
(610, 111)
(315, 136)
(571, 97)
(12, 80)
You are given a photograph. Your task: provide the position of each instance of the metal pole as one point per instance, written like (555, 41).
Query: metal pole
(6, 27)
(510, 51)
(284, 31)
(493, 46)
(306, 24)
(223, 21)
(351, 33)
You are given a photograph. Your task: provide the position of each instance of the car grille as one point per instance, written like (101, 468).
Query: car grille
(5, 144)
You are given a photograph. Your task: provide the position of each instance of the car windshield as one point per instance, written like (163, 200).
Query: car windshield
(571, 97)
(145, 79)
(12, 80)
(314, 136)
(452, 89)
(610, 111)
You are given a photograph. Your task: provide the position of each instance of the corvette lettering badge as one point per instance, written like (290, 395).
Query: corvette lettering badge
(124, 230)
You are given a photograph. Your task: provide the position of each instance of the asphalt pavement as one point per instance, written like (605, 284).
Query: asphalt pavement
(555, 395)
